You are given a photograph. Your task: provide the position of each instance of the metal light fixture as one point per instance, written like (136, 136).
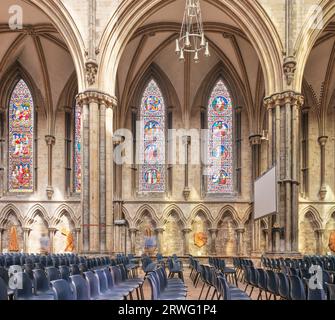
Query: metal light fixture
(192, 37)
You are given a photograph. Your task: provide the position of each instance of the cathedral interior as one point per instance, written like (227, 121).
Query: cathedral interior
(111, 143)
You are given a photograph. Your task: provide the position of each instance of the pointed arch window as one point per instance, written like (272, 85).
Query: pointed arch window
(152, 175)
(220, 141)
(21, 140)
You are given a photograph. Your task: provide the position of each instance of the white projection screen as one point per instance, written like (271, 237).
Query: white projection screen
(265, 195)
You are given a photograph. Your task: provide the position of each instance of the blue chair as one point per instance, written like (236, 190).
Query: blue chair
(25, 291)
(3, 290)
(112, 287)
(316, 294)
(297, 288)
(41, 283)
(74, 269)
(104, 291)
(284, 286)
(62, 290)
(262, 283)
(272, 284)
(65, 272)
(52, 273)
(330, 291)
(80, 288)
(230, 293)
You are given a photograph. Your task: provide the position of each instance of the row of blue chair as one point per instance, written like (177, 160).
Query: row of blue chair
(286, 286)
(164, 288)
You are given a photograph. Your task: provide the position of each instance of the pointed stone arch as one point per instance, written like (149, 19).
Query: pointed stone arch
(228, 211)
(37, 209)
(250, 16)
(313, 214)
(64, 209)
(174, 209)
(7, 211)
(145, 209)
(201, 208)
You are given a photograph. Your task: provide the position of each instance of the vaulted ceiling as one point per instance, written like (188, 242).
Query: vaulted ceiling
(38, 48)
(154, 43)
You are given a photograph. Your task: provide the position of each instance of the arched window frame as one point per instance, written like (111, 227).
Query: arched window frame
(211, 83)
(164, 140)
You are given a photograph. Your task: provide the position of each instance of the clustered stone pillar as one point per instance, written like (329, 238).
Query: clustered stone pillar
(97, 205)
(319, 241)
(213, 235)
(26, 232)
(255, 142)
(77, 237)
(284, 122)
(133, 232)
(52, 232)
(187, 232)
(50, 141)
(1, 231)
(240, 235)
(159, 232)
(323, 188)
(187, 191)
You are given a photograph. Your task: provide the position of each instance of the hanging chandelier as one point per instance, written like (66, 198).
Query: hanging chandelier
(192, 37)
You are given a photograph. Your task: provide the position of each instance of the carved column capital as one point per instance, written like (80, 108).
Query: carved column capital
(91, 68)
(160, 230)
(50, 140)
(323, 141)
(240, 230)
(289, 66)
(187, 230)
(133, 230)
(255, 139)
(96, 96)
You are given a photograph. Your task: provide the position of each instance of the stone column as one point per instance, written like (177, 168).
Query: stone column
(77, 237)
(2, 152)
(323, 188)
(255, 142)
(26, 232)
(96, 210)
(102, 178)
(159, 232)
(319, 241)
(187, 191)
(52, 232)
(1, 231)
(109, 179)
(187, 232)
(133, 232)
(285, 152)
(50, 140)
(213, 234)
(240, 235)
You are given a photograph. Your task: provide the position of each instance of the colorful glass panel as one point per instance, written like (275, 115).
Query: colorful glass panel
(220, 141)
(77, 150)
(21, 139)
(152, 148)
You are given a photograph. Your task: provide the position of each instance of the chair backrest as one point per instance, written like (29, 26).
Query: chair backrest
(80, 287)
(316, 294)
(3, 290)
(297, 289)
(262, 279)
(41, 282)
(52, 273)
(224, 288)
(284, 285)
(65, 272)
(116, 272)
(4, 275)
(103, 282)
(272, 282)
(330, 291)
(153, 285)
(93, 283)
(25, 290)
(74, 269)
(62, 290)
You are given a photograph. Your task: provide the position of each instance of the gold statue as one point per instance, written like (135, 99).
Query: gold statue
(69, 240)
(13, 243)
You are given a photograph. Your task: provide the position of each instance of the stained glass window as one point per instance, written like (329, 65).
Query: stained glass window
(220, 140)
(21, 139)
(152, 148)
(77, 150)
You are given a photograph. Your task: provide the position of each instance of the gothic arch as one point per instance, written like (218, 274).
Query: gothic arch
(314, 216)
(228, 211)
(138, 86)
(11, 77)
(67, 97)
(66, 26)
(309, 36)
(174, 209)
(64, 209)
(250, 16)
(37, 209)
(205, 211)
(143, 210)
(329, 215)
(9, 210)
(247, 215)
